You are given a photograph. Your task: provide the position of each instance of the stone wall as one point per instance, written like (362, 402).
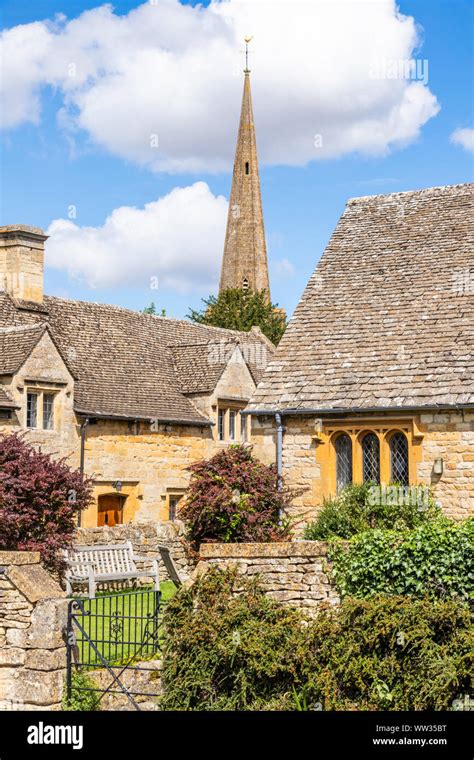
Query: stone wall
(309, 460)
(33, 615)
(295, 573)
(145, 538)
(450, 437)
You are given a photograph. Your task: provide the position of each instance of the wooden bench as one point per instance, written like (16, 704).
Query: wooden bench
(102, 563)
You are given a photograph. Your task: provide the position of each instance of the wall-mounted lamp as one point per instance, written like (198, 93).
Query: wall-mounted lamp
(438, 466)
(117, 485)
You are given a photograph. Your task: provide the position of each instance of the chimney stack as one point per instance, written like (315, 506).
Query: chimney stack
(22, 262)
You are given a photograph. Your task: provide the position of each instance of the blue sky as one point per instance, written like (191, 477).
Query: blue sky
(49, 165)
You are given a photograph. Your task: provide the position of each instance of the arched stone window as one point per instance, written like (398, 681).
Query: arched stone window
(343, 448)
(370, 458)
(399, 458)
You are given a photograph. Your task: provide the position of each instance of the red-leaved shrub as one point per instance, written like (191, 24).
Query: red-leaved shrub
(40, 498)
(233, 497)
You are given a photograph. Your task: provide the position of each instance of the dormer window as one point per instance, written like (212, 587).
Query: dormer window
(40, 409)
(232, 425)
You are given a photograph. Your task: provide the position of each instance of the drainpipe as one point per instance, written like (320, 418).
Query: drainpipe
(279, 454)
(279, 449)
(81, 466)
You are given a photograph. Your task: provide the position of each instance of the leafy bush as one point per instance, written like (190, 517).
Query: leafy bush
(234, 497)
(226, 652)
(434, 558)
(39, 500)
(83, 701)
(229, 647)
(389, 653)
(361, 507)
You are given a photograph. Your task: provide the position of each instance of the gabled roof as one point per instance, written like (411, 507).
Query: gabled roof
(16, 344)
(387, 318)
(122, 360)
(200, 367)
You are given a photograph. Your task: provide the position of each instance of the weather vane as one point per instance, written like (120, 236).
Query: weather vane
(247, 39)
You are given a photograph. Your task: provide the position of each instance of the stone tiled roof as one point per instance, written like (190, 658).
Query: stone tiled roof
(387, 318)
(122, 360)
(16, 344)
(199, 367)
(6, 401)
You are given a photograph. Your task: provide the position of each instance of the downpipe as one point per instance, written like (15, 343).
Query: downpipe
(82, 459)
(279, 456)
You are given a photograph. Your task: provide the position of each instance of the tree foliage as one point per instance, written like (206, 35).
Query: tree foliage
(235, 497)
(151, 309)
(40, 498)
(238, 309)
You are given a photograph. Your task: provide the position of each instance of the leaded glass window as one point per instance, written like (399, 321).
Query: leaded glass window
(343, 461)
(48, 411)
(399, 458)
(371, 458)
(220, 424)
(32, 410)
(243, 427)
(232, 415)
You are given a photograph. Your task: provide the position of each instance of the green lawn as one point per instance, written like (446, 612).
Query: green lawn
(117, 624)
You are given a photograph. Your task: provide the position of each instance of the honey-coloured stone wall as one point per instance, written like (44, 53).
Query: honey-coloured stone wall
(295, 573)
(33, 616)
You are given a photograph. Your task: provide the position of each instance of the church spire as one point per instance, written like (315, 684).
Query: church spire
(244, 264)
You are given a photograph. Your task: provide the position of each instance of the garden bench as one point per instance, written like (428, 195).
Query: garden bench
(106, 562)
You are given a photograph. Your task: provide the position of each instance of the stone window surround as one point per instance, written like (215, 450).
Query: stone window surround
(173, 493)
(40, 391)
(356, 429)
(226, 406)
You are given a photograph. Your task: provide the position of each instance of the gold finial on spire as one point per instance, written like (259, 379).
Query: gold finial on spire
(248, 39)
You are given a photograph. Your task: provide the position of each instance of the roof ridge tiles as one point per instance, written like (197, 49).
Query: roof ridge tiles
(461, 186)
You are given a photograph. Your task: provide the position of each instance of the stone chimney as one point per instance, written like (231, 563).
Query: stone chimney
(22, 262)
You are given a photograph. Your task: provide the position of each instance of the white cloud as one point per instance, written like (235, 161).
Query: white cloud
(176, 240)
(175, 71)
(463, 137)
(284, 268)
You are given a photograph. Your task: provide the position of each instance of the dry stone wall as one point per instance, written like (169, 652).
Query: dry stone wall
(33, 614)
(295, 573)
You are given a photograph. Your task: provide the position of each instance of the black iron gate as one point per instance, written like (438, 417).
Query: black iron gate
(113, 632)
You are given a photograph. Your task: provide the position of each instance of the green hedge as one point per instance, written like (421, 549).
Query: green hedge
(435, 559)
(226, 652)
(361, 507)
(247, 652)
(389, 653)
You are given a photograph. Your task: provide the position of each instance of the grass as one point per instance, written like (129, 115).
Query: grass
(117, 623)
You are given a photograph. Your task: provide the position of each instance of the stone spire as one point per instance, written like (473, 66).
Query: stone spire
(244, 264)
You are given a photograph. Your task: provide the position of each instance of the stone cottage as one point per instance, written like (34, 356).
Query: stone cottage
(374, 377)
(132, 398)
